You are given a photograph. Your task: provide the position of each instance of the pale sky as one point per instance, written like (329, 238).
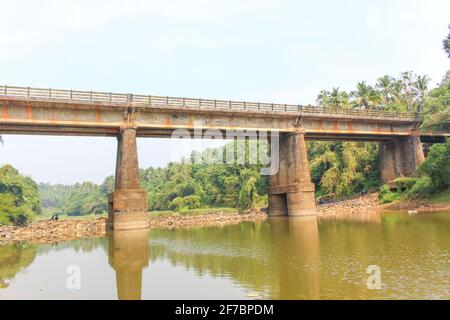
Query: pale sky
(255, 50)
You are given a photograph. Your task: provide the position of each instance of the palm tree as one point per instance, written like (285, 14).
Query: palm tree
(446, 44)
(421, 87)
(365, 96)
(385, 85)
(338, 99)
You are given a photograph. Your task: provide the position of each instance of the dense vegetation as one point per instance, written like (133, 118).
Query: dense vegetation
(19, 198)
(76, 200)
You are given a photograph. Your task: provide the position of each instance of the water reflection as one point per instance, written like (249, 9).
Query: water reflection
(129, 254)
(298, 260)
(281, 258)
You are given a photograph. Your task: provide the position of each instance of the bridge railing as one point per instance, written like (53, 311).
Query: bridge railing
(161, 101)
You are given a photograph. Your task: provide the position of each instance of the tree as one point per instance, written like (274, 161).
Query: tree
(437, 166)
(19, 199)
(248, 191)
(421, 87)
(446, 44)
(365, 96)
(385, 84)
(437, 107)
(343, 168)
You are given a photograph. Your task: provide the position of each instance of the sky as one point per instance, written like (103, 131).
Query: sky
(255, 50)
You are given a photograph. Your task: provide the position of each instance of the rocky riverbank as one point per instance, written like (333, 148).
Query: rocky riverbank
(351, 206)
(47, 231)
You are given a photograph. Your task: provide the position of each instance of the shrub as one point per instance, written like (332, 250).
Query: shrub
(386, 195)
(437, 166)
(422, 188)
(405, 184)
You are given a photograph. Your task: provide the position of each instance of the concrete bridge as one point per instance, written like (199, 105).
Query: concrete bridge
(25, 110)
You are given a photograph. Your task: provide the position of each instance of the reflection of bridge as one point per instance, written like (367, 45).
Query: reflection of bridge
(69, 112)
(130, 253)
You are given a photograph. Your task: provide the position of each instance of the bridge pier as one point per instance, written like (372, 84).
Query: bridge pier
(291, 191)
(400, 157)
(127, 205)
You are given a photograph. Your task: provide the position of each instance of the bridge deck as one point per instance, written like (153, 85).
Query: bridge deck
(109, 98)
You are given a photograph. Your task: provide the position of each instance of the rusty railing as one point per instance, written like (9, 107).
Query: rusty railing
(192, 103)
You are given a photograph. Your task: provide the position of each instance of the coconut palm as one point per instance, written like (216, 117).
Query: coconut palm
(338, 99)
(421, 85)
(385, 85)
(446, 44)
(365, 96)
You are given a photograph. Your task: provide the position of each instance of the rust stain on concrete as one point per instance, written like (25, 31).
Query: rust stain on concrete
(29, 110)
(349, 126)
(5, 113)
(98, 116)
(167, 120)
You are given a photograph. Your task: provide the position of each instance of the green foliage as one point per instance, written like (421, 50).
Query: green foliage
(76, 200)
(19, 199)
(421, 189)
(405, 183)
(434, 177)
(437, 166)
(186, 203)
(187, 185)
(387, 196)
(408, 92)
(437, 107)
(446, 44)
(343, 168)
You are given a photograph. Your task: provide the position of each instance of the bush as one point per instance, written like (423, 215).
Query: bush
(405, 184)
(437, 166)
(422, 188)
(185, 203)
(386, 195)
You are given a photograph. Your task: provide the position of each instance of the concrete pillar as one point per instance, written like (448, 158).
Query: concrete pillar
(129, 254)
(291, 190)
(127, 205)
(400, 157)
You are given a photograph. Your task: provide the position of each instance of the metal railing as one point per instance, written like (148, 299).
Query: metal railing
(191, 103)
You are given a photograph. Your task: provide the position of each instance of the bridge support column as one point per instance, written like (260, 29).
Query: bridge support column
(400, 157)
(127, 205)
(291, 191)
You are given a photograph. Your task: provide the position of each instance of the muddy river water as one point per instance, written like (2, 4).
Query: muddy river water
(378, 256)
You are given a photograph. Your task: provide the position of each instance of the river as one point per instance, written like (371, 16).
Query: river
(404, 256)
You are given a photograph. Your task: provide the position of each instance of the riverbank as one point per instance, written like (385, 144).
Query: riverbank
(47, 231)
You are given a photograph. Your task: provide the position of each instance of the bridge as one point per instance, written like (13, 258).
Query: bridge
(25, 110)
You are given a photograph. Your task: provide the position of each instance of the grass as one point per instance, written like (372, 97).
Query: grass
(192, 212)
(442, 197)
